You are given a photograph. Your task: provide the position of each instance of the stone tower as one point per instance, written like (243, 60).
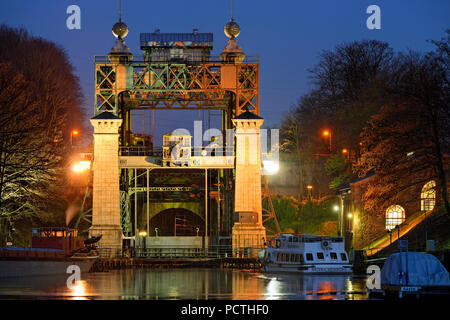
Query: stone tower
(248, 231)
(106, 194)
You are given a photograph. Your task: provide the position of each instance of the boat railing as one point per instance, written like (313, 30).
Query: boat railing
(312, 238)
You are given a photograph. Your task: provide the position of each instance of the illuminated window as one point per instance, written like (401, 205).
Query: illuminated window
(428, 196)
(395, 215)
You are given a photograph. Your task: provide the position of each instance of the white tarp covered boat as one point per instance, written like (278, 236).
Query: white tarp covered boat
(414, 269)
(414, 273)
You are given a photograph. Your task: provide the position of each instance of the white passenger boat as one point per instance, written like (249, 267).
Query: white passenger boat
(306, 254)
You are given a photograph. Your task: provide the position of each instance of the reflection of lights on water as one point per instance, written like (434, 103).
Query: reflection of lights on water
(173, 292)
(349, 285)
(273, 289)
(79, 290)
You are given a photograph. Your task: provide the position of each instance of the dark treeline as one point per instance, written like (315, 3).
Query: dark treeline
(389, 112)
(40, 103)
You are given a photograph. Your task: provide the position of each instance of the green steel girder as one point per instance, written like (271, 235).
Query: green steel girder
(168, 84)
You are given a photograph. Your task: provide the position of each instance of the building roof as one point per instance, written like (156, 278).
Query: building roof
(345, 186)
(194, 39)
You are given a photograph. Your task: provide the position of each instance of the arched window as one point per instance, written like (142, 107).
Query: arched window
(428, 196)
(395, 215)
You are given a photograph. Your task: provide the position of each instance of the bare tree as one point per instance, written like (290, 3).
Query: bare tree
(40, 103)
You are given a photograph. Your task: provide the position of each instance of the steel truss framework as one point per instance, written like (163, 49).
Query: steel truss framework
(123, 85)
(203, 85)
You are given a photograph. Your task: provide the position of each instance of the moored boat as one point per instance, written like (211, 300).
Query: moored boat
(412, 273)
(306, 255)
(53, 251)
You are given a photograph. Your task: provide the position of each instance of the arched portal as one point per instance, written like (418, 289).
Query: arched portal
(177, 222)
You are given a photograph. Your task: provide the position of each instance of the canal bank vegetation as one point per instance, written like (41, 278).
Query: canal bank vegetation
(304, 217)
(40, 103)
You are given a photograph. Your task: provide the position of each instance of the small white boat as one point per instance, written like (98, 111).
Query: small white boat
(306, 255)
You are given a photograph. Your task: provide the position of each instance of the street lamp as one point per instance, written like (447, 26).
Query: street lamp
(309, 188)
(327, 134)
(142, 234)
(73, 133)
(345, 153)
(81, 166)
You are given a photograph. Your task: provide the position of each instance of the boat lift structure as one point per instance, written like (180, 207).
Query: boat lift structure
(140, 191)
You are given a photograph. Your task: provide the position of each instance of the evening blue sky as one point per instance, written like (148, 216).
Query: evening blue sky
(286, 34)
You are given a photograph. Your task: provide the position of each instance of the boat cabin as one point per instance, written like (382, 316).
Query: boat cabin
(56, 238)
(310, 249)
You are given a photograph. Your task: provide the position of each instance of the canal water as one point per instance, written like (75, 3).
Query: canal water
(193, 283)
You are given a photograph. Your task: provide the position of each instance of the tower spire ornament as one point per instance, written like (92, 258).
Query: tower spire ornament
(120, 31)
(232, 52)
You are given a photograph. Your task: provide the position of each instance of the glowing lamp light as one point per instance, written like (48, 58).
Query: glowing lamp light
(142, 234)
(326, 133)
(344, 150)
(336, 208)
(74, 132)
(309, 187)
(81, 166)
(349, 215)
(270, 167)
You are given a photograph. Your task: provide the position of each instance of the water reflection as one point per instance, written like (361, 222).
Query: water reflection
(186, 284)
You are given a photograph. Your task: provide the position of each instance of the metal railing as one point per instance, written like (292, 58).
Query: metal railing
(185, 59)
(158, 151)
(141, 151)
(212, 251)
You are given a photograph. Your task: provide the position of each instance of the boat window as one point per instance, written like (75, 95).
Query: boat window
(333, 255)
(299, 258)
(292, 257)
(320, 255)
(309, 257)
(343, 257)
(277, 243)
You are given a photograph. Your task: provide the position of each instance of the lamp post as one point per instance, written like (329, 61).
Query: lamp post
(309, 188)
(345, 153)
(327, 134)
(336, 209)
(73, 133)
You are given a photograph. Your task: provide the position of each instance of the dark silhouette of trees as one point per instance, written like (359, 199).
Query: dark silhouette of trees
(404, 143)
(40, 103)
(389, 110)
(345, 93)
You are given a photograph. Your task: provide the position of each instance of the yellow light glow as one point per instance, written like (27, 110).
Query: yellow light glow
(349, 215)
(74, 132)
(344, 150)
(142, 234)
(336, 208)
(81, 166)
(326, 132)
(309, 187)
